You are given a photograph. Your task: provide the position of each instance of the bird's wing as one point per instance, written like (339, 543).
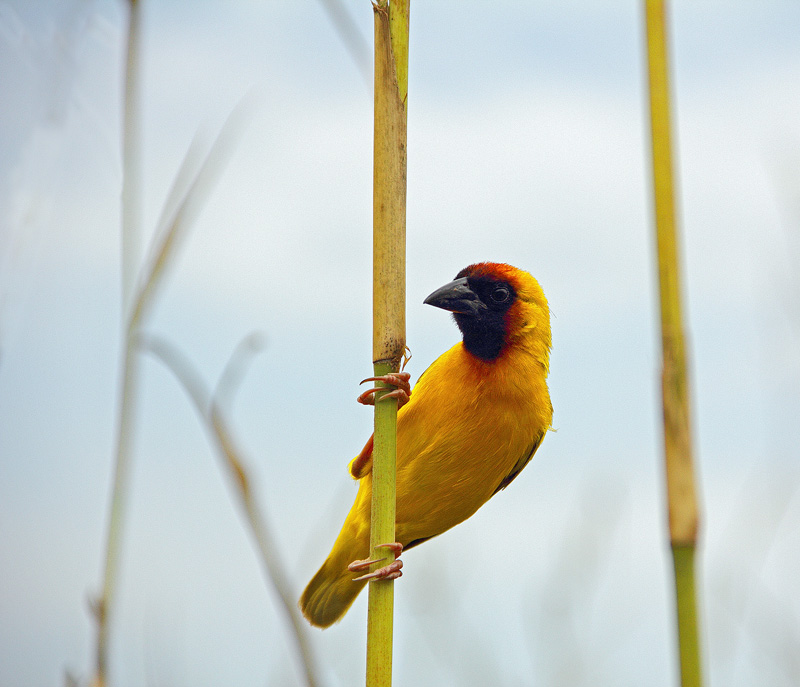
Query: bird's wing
(361, 465)
(521, 463)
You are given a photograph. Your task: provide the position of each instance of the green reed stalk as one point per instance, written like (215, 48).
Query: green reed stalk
(388, 310)
(681, 496)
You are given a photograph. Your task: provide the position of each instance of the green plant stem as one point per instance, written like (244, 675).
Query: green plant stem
(681, 494)
(688, 639)
(388, 308)
(399, 19)
(381, 592)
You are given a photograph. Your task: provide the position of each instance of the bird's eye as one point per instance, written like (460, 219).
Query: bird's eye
(500, 295)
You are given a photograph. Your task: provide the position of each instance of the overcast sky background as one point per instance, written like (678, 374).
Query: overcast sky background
(527, 144)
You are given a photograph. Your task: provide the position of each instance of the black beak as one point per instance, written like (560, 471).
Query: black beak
(456, 297)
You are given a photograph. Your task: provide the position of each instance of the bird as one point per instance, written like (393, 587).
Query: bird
(471, 423)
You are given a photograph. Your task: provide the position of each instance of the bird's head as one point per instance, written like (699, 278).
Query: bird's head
(496, 306)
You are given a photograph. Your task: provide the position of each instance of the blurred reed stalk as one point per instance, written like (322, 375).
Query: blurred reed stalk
(347, 29)
(388, 307)
(132, 171)
(131, 250)
(681, 496)
(209, 407)
(192, 185)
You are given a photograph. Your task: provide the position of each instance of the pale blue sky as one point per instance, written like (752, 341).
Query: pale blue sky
(527, 128)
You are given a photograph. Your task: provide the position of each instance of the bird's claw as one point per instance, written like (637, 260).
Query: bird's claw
(387, 572)
(402, 392)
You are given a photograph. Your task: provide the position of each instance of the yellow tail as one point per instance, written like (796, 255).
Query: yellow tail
(332, 590)
(329, 594)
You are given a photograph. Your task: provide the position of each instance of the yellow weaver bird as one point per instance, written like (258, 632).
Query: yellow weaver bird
(475, 418)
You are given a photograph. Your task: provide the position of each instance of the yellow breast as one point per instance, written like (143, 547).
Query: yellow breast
(468, 424)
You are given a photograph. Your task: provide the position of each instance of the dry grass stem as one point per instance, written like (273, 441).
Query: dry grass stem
(209, 408)
(190, 190)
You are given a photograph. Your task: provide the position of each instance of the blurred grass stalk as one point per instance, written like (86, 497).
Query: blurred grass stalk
(209, 407)
(388, 306)
(681, 496)
(191, 187)
(131, 250)
(131, 159)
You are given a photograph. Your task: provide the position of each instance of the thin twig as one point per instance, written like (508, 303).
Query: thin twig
(209, 408)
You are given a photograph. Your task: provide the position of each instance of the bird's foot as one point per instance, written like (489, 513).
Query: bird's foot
(387, 572)
(399, 380)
